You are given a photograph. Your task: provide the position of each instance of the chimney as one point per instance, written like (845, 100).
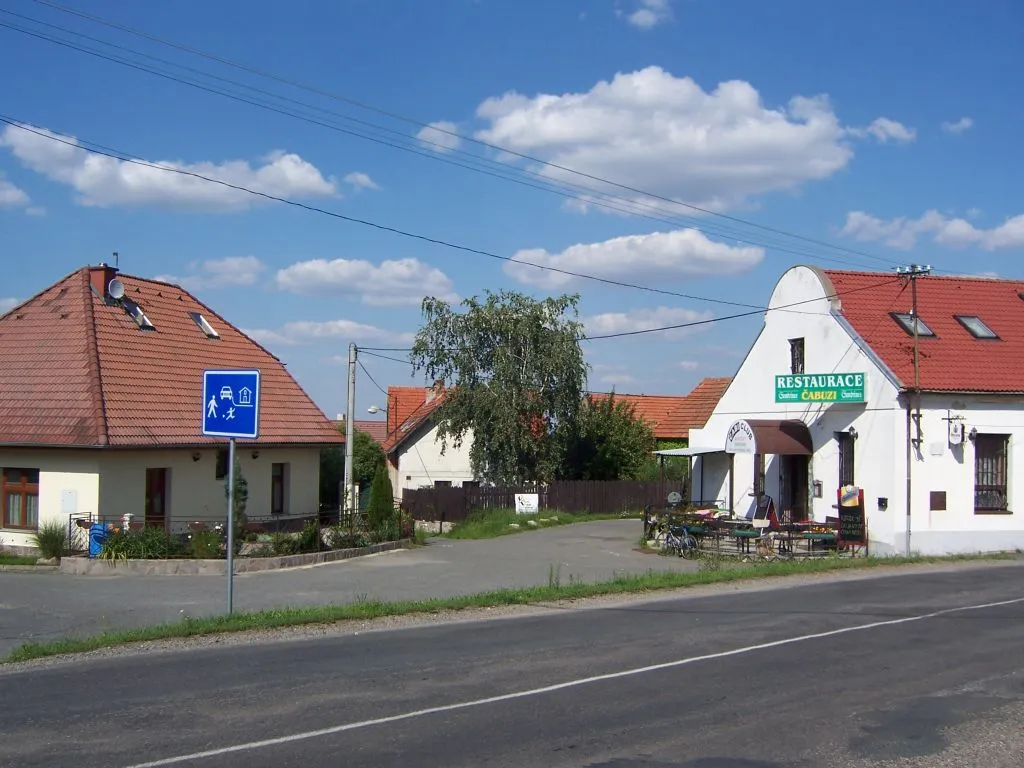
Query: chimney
(435, 390)
(100, 277)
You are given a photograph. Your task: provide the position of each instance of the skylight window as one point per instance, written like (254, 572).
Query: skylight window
(204, 325)
(907, 321)
(135, 313)
(976, 327)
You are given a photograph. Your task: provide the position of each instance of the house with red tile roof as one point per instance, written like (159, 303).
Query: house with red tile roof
(101, 409)
(846, 386)
(415, 454)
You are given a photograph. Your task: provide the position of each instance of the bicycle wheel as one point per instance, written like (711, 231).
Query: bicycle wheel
(688, 548)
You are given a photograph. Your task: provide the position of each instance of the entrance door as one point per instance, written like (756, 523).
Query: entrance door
(156, 498)
(793, 481)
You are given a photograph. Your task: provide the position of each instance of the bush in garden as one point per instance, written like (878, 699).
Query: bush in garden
(51, 539)
(380, 512)
(149, 543)
(206, 545)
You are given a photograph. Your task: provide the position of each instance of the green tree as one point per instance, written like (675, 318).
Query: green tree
(677, 468)
(513, 369)
(606, 441)
(367, 455)
(380, 511)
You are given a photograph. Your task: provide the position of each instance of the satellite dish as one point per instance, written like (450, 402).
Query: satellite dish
(116, 289)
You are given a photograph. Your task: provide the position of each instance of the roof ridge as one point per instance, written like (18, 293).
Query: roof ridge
(95, 372)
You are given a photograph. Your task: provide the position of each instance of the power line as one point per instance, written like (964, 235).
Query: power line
(493, 168)
(677, 326)
(369, 375)
(99, 149)
(394, 115)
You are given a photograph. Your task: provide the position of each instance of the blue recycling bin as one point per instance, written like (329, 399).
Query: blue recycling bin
(97, 535)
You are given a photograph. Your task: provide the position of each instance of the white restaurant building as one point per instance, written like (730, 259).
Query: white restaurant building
(826, 398)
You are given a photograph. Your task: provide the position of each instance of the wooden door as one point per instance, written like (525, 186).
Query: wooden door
(156, 497)
(793, 486)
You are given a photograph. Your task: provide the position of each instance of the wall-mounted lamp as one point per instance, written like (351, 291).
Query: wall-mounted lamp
(196, 456)
(973, 434)
(853, 433)
(255, 454)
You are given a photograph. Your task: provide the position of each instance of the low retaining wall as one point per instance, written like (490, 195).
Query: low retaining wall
(84, 566)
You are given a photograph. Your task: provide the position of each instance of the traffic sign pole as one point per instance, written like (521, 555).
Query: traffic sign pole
(231, 524)
(231, 409)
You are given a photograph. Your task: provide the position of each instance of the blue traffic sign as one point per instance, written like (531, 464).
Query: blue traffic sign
(231, 404)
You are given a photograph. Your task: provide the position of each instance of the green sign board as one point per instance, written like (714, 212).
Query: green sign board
(820, 388)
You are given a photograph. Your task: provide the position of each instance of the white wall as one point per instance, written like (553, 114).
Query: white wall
(880, 450)
(828, 348)
(64, 475)
(194, 491)
(421, 463)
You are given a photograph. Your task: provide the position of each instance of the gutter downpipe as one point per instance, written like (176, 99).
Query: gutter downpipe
(910, 465)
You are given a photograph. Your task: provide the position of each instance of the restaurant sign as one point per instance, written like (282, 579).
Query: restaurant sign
(820, 388)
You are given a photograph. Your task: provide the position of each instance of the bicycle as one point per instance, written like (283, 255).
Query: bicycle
(679, 538)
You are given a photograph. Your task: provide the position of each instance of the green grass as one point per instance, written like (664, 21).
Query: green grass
(555, 591)
(17, 560)
(490, 523)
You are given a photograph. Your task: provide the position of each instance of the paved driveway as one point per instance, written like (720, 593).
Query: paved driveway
(41, 606)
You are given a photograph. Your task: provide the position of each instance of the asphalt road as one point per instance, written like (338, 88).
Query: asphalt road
(881, 671)
(46, 606)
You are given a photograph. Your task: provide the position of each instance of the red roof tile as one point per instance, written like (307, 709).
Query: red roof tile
(375, 428)
(79, 371)
(673, 416)
(408, 407)
(953, 360)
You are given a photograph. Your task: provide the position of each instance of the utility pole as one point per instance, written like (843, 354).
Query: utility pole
(350, 439)
(913, 408)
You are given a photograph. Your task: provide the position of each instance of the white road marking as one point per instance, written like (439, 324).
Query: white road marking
(304, 735)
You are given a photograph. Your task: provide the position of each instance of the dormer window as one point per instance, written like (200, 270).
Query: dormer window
(204, 325)
(976, 327)
(906, 321)
(135, 313)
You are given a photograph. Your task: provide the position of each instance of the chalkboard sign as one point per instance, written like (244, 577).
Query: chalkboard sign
(852, 523)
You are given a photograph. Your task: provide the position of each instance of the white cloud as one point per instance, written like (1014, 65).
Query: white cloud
(953, 232)
(392, 283)
(958, 127)
(7, 304)
(618, 379)
(650, 14)
(440, 136)
(665, 135)
(107, 182)
(308, 331)
(218, 273)
(643, 319)
(665, 255)
(689, 365)
(12, 196)
(360, 180)
(883, 129)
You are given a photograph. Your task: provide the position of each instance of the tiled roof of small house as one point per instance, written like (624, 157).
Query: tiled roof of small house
(953, 359)
(79, 370)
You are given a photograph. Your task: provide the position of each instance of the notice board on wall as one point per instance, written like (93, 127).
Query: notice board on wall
(853, 527)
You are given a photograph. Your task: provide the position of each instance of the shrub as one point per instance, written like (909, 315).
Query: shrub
(239, 502)
(206, 545)
(51, 539)
(145, 544)
(380, 512)
(309, 538)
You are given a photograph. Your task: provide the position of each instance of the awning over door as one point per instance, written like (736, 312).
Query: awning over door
(779, 437)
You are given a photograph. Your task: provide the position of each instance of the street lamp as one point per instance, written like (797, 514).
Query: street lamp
(376, 409)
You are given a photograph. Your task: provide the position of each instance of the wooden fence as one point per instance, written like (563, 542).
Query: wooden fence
(595, 497)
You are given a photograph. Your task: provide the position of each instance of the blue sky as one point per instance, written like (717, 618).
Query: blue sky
(889, 129)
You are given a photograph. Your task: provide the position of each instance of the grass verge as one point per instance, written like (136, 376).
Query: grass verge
(554, 591)
(491, 523)
(17, 560)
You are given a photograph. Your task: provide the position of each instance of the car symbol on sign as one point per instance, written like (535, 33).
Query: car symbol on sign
(225, 393)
